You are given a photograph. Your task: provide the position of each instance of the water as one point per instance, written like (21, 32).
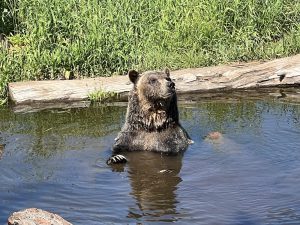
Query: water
(55, 160)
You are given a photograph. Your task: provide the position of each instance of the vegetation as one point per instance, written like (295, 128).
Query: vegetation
(103, 96)
(50, 38)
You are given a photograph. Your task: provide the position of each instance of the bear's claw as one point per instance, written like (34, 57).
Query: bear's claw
(116, 159)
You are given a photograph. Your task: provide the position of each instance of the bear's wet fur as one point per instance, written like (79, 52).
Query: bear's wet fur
(152, 121)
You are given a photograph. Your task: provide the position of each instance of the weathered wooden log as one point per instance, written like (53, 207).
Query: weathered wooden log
(284, 72)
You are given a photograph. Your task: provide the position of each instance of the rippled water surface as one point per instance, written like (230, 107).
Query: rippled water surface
(55, 160)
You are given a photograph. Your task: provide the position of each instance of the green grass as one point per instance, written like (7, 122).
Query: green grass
(102, 96)
(102, 37)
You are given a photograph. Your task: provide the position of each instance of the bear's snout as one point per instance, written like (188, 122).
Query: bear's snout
(171, 84)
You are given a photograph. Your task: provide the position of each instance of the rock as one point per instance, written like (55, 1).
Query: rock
(33, 216)
(221, 143)
(214, 135)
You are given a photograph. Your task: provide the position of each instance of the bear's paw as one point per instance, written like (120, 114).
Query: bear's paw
(116, 159)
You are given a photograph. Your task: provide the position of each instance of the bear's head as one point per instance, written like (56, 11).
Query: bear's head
(154, 89)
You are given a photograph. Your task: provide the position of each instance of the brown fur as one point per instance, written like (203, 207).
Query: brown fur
(152, 116)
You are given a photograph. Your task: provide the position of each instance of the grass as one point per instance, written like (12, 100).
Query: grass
(103, 37)
(103, 96)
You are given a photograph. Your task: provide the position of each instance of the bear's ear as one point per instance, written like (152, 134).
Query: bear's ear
(133, 75)
(167, 71)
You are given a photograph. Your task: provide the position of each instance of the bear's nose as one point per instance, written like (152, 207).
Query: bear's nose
(171, 84)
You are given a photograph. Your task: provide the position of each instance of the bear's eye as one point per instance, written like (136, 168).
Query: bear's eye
(152, 80)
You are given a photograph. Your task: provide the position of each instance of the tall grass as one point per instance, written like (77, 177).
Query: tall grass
(7, 16)
(100, 37)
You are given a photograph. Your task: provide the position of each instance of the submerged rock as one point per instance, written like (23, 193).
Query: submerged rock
(33, 216)
(215, 135)
(221, 143)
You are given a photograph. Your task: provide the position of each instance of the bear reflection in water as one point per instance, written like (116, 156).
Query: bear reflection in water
(152, 125)
(154, 180)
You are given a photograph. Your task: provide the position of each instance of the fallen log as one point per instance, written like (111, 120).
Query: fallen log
(284, 72)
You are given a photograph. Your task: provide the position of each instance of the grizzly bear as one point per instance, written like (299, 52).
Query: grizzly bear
(152, 121)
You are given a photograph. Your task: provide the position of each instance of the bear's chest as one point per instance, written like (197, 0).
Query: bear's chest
(154, 120)
(168, 140)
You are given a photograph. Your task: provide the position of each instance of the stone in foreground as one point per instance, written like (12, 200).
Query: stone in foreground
(33, 216)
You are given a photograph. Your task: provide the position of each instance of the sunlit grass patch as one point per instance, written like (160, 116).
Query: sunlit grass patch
(103, 96)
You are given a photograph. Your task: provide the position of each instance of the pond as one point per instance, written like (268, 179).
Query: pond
(56, 160)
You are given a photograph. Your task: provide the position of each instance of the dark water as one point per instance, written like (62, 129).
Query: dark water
(55, 161)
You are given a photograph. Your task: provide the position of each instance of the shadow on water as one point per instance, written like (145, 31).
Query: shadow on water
(224, 113)
(154, 179)
(49, 131)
